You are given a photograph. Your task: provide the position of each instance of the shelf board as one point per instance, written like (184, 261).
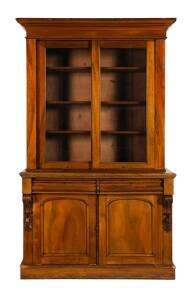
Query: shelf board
(123, 69)
(103, 69)
(122, 132)
(127, 103)
(68, 131)
(107, 132)
(86, 102)
(68, 69)
(68, 102)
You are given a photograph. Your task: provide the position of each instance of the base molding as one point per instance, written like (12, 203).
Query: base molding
(92, 272)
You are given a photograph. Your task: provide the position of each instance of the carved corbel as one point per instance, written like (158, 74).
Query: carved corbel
(167, 212)
(27, 201)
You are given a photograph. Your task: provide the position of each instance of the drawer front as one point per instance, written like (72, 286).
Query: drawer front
(104, 186)
(132, 185)
(63, 186)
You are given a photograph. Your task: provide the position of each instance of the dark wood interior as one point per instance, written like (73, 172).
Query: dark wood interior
(123, 81)
(123, 104)
(68, 110)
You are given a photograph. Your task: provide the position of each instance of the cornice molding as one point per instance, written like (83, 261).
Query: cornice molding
(56, 28)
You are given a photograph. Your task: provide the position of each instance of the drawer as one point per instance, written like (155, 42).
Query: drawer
(62, 186)
(132, 185)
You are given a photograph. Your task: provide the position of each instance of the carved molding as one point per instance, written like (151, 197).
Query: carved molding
(167, 212)
(97, 187)
(27, 201)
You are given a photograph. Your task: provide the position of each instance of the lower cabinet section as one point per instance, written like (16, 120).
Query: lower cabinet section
(97, 230)
(64, 229)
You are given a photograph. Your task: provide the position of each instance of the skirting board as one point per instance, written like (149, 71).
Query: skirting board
(95, 272)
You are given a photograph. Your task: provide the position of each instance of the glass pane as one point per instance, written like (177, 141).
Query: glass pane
(123, 105)
(68, 105)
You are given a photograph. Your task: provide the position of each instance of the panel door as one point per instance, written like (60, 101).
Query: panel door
(64, 229)
(130, 229)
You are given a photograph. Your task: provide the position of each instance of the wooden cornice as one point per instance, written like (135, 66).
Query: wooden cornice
(51, 28)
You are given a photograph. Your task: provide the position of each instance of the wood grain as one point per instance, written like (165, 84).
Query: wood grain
(63, 186)
(159, 105)
(96, 28)
(150, 104)
(65, 229)
(97, 174)
(95, 104)
(41, 79)
(133, 185)
(128, 230)
(31, 104)
(27, 186)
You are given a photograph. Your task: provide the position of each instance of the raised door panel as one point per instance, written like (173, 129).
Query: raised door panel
(65, 229)
(130, 229)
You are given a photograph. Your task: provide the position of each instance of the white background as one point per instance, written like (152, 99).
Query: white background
(179, 147)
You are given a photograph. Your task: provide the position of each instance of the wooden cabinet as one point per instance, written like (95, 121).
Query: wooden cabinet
(97, 197)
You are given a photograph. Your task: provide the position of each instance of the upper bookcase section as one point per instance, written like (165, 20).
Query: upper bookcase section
(51, 28)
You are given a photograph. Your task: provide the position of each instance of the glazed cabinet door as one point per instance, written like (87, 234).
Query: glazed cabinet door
(124, 104)
(64, 229)
(130, 229)
(64, 95)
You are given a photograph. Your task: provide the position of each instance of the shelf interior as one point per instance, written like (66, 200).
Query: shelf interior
(69, 105)
(123, 76)
(68, 76)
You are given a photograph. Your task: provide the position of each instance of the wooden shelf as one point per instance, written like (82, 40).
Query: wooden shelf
(122, 132)
(123, 69)
(86, 102)
(67, 102)
(127, 103)
(103, 69)
(68, 69)
(68, 131)
(107, 132)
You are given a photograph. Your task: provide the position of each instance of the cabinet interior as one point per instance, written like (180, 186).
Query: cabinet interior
(122, 104)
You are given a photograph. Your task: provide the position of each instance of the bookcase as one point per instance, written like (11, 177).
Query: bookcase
(97, 196)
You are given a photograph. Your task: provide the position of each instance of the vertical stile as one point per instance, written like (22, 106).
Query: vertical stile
(31, 103)
(41, 79)
(95, 104)
(160, 103)
(150, 105)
